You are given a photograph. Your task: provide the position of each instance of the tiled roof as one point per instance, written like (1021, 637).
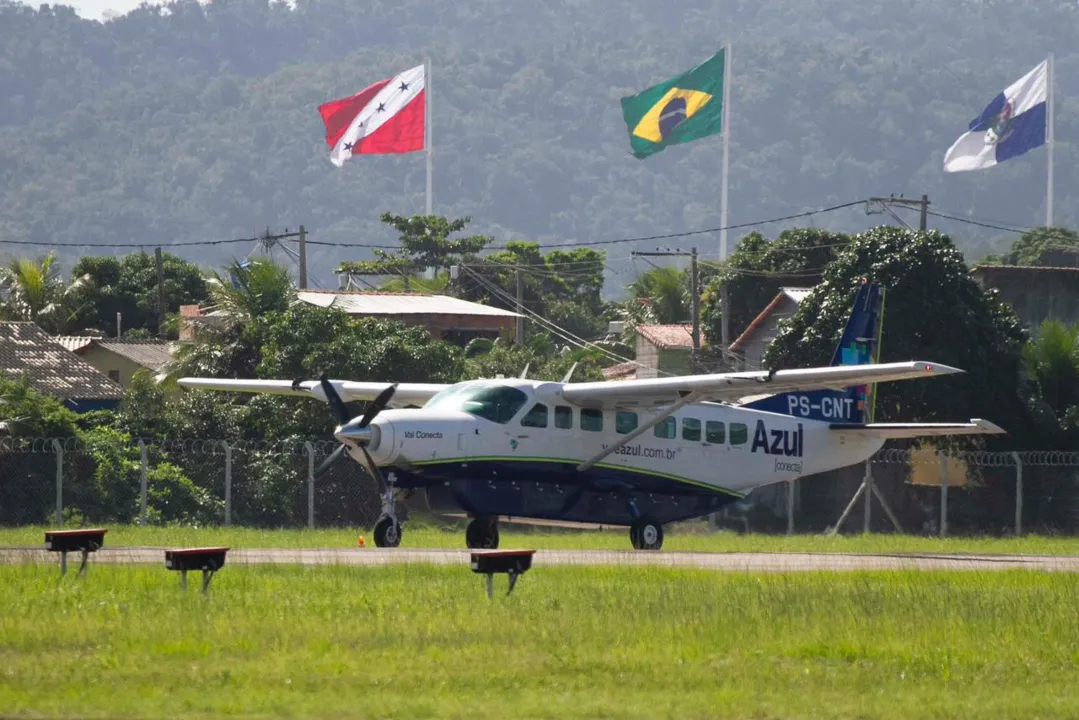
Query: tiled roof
(621, 371)
(667, 336)
(797, 295)
(152, 354)
(74, 343)
(50, 367)
(384, 303)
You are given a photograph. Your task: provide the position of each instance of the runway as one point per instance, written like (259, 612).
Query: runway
(746, 562)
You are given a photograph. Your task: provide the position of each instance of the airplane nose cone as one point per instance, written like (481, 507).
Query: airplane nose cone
(353, 435)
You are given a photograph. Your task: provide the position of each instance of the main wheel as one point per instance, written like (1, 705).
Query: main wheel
(482, 534)
(387, 532)
(646, 534)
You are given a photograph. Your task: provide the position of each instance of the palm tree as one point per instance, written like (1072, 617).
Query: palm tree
(250, 289)
(223, 347)
(666, 291)
(1053, 360)
(35, 291)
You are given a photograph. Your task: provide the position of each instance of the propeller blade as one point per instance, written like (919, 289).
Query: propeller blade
(374, 469)
(377, 405)
(330, 460)
(337, 406)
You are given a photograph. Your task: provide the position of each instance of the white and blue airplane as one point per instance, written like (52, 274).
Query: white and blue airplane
(641, 453)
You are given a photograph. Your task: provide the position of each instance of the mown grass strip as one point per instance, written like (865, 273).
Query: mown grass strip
(570, 642)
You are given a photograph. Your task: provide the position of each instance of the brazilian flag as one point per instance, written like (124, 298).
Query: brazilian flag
(679, 110)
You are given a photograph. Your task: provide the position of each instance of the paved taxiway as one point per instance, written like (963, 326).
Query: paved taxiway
(753, 562)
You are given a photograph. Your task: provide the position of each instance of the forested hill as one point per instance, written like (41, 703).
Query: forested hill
(200, 122)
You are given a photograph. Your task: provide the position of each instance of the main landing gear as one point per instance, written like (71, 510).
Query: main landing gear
(646, 534)
(482, 533)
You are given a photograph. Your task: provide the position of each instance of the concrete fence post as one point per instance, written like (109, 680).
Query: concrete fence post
(943, 493)
(228, 482)
(1018, 494)
(58, 449)
(310, 450)
(143, 482)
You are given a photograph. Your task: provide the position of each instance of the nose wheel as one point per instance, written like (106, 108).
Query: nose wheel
(482, 533)
(387, 532)
(646, 534)
(388, 529)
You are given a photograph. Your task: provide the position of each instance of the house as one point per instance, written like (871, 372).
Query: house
(444, 317)
(27, 350)
(748, 348)
(664, 349)
(1036, 293)
(119, 358)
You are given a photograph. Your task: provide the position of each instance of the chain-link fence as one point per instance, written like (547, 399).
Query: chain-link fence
(216, 482)
(923, 492)
(203, 482)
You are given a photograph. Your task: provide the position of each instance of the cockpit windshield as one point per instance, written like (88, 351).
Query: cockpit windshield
(497, 403)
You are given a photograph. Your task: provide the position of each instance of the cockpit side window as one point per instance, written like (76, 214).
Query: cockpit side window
(497, 403)
(536, 417)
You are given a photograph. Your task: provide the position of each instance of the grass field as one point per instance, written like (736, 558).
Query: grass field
(425, 641)
(688, 537)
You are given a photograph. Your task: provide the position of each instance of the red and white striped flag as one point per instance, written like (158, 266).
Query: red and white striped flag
(387, 117)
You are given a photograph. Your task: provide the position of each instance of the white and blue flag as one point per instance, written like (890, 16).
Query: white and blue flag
(1012, 124)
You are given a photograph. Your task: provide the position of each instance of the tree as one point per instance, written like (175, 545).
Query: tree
(564, 286)
(758, 268)
(35, 291)
(665, 291)
(227, 344)
(933, 311)
(1047, 246)
(128, 286)
(1052, 360)
(425, 243)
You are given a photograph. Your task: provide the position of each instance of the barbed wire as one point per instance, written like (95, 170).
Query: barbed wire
(322, 446)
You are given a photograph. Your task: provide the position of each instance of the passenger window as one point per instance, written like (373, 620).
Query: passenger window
(563, 417)
(591, 420)
(715, 432)
(739, 434)
(667, 428)
(691, 429)
(536, 417)
(625, 422)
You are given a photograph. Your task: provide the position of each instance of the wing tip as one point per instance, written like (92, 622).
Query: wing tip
(987, 427)
(934, 368)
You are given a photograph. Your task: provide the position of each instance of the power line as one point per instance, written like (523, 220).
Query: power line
(324, 243)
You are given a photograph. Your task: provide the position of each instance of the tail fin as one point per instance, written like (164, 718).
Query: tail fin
(859, 345)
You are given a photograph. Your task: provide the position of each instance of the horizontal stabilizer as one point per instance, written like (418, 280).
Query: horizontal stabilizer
(976, 426)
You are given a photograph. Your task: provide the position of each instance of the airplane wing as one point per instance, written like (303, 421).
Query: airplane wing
(407, 393)
(732, 386)
(976, 426)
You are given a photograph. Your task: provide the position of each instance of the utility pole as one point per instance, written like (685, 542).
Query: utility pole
(159, 260)
(303, 257)
(520, 309)
(694, 289)
(922, 205)
(695, 299)
(267, 240)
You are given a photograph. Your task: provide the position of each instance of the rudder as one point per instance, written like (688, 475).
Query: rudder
(859, 345)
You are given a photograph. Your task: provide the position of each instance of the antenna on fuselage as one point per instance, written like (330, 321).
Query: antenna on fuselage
(569, 373)
(524, 373)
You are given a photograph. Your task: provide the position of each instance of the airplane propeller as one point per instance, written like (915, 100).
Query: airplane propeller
(340, 412)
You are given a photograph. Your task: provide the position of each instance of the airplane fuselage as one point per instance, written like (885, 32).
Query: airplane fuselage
(519, 454)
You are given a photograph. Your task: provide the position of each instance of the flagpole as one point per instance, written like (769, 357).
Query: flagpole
(724, 324)
(427, 131)
(1050, 140)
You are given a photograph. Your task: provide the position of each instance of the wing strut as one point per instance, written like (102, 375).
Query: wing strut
(667, 412)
